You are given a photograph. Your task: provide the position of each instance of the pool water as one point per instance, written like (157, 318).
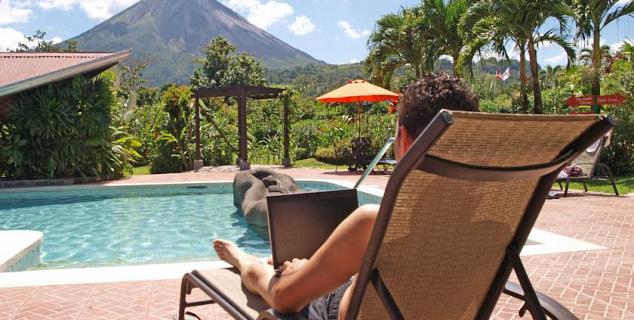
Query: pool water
(131, 225)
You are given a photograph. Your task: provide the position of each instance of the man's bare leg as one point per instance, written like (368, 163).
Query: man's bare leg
(255, 275)
(338, 259)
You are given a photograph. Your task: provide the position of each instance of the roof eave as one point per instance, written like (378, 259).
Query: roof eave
(63, 74)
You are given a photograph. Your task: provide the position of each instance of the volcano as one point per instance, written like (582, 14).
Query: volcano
(171, 34)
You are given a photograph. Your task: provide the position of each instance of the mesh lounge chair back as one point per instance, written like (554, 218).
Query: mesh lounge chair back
(441, 254)
(588, 159)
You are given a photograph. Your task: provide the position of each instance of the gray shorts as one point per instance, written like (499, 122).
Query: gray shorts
(326, 307)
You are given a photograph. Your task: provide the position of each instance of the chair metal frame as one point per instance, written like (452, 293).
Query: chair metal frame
(604, 175)
(548, 173)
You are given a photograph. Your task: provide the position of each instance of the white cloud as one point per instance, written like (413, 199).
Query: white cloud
(615, 47)
(56, 40)
(9, 39)
(302, 26)
(583, 44)
(57, 4)
(104, 9)
(261, 14)
(94, 9)
(446, 57)
(545, 44)
(558, 60)
(12, 11)
(351, 32)
(354, 61)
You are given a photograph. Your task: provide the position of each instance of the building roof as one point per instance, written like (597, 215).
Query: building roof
(22, 71)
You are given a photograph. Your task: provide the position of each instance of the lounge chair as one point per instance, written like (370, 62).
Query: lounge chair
(456, 212)
(386, 164)
(592, 169)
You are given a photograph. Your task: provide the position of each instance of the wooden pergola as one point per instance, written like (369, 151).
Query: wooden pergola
(241, 93)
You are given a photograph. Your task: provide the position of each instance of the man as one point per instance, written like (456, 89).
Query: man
(321, 286)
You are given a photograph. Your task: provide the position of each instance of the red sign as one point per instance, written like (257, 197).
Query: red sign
(588, 101)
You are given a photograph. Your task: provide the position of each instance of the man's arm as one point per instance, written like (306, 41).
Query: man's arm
(338, 259)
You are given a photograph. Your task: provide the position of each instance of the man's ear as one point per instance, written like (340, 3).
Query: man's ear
(406, 139)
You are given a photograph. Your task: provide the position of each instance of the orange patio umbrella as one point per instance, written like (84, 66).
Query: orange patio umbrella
(358, 91)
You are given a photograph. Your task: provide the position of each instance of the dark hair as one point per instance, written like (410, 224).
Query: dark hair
(431, 93)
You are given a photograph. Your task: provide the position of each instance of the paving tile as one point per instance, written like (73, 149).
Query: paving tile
(593, 284)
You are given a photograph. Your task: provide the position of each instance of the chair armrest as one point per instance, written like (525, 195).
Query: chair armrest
(577, 163)
(271, 314)
(552, 308)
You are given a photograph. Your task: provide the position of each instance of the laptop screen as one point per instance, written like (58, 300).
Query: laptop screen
(300, 223)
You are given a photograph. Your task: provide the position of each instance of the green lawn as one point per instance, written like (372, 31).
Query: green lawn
(138, 171)
(314, 163)
(624, 184)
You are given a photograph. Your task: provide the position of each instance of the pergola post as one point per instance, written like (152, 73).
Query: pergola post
(243, 161)
(198, 162)
(242, 93)
(286, 162)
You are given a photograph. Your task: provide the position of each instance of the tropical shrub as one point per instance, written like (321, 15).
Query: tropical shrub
(619, 156)
(338, 154)
(65, 130)
(175, 150)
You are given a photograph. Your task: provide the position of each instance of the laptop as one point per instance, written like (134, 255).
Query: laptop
(316, 214)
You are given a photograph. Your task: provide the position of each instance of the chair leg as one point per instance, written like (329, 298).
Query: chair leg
(561, 188)
(608, 173)
(585, 187)
(567, 185)
(186, 288)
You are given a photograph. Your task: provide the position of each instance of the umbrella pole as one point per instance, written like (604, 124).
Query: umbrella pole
(359, 118)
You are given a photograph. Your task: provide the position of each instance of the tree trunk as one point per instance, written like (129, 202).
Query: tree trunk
(596, 68)
(455, 57)
(523, 91)
(537, 91)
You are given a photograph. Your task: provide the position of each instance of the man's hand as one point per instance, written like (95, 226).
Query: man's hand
(290, 267)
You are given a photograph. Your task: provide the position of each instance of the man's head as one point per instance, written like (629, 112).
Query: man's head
(421, 102)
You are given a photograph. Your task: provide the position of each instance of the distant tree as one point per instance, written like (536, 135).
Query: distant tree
(591, 17)
(521, 21)
(439, 20)
(221, 66)
(131, 77)
(586, 55)
(37, 43)
(397, 42)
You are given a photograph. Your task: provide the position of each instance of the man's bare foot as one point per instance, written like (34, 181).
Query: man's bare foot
(230, 253)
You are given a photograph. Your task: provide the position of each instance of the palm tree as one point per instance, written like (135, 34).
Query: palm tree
(586, 55)
(550, 76)
(395, 43)
(439, 25)
(484, 31)
(493, 22)
(591, 17)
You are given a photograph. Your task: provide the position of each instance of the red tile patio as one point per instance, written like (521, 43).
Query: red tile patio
(593, 284)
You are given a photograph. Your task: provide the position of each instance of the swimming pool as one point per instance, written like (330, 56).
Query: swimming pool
(103, 226)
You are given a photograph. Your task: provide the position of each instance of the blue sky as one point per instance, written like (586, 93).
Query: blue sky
(334, 31)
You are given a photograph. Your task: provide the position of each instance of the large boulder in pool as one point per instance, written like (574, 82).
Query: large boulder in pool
(250, 189)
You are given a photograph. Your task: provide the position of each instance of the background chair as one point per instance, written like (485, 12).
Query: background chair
(592, 169)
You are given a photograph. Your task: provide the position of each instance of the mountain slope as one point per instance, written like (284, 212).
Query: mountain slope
(171, 33)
